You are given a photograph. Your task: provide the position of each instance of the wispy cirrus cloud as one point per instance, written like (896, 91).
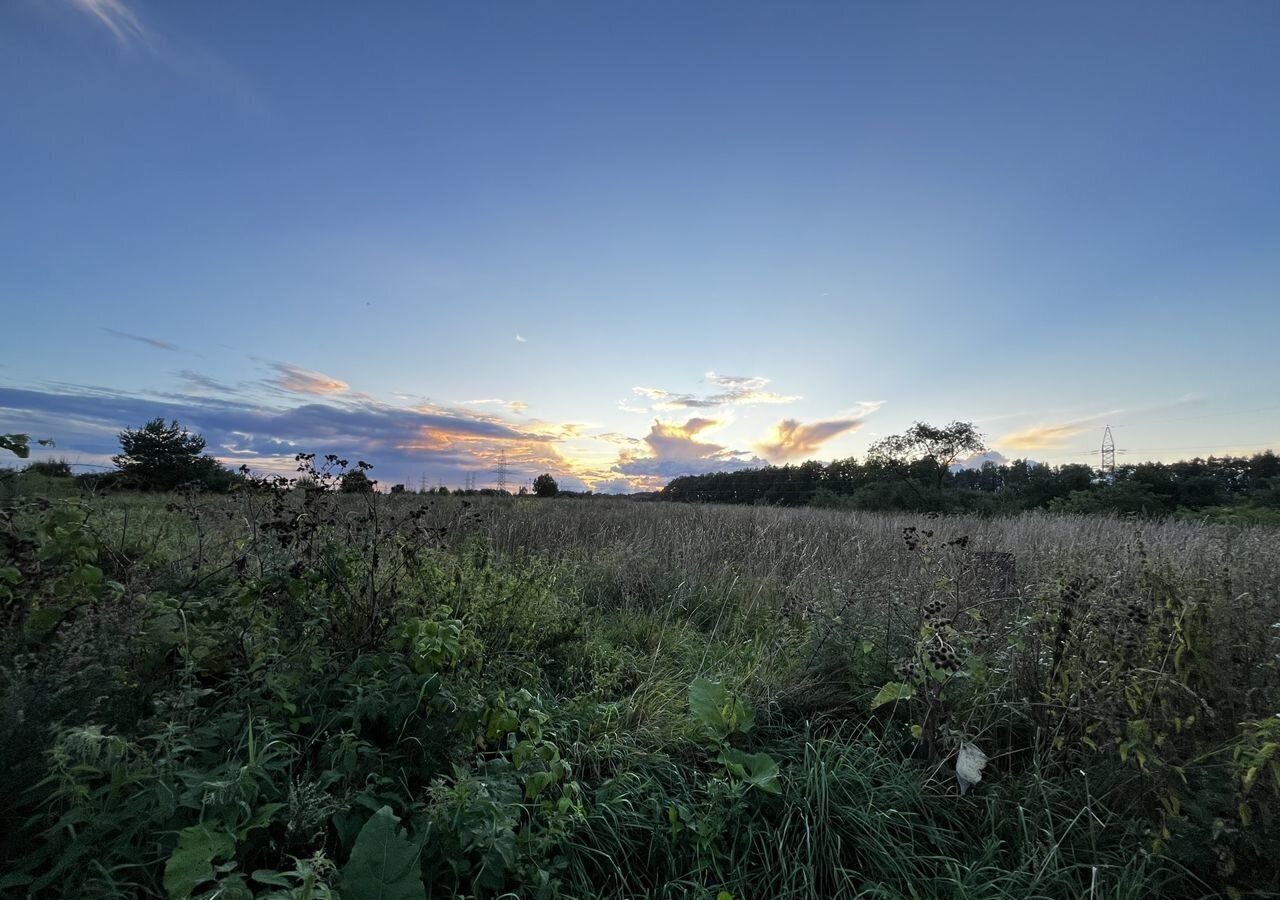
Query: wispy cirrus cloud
(513, 405)
(1053, 435)
(142, 339)
(198, 382)
(733, 390)
(131, 32)
(118, 18)
(1042, 437)
(296, 380)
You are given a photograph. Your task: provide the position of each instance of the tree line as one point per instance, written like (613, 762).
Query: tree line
(919, 471)
(162, 456)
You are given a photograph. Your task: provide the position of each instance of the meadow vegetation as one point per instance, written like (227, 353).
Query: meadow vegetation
(291, 690)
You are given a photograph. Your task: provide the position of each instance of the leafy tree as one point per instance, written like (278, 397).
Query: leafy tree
(928, 450)
(545, 486)
(160, 457)
(356, 482)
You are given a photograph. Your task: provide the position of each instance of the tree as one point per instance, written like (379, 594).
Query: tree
(545, 486)
(356, 482)
(160, 457)
(928, 450)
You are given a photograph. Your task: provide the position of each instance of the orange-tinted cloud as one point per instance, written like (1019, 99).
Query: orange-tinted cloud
(302, 381)
(1041, 437)
(513, 405)
(792, 439)
(674, 449)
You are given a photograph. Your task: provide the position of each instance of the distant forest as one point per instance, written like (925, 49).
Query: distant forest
(1224, 486)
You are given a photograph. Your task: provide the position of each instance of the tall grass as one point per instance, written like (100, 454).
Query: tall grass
(441, 656)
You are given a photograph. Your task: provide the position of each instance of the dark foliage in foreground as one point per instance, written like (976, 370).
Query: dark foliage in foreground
(297, 692)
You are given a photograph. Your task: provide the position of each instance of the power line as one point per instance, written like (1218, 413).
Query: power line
(1217, 415)
(1262, 445)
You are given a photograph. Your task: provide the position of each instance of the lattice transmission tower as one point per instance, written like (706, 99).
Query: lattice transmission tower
(1108, 456)
(502, 472)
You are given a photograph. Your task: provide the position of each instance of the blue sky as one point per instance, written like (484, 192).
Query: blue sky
(624, 241)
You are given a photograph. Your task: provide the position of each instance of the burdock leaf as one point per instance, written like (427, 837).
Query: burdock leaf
(892, 692)
(759, 770)
(384, 862)
(708, 701)
(191, 862)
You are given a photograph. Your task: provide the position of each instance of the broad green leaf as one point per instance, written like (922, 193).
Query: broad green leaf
(266, 876)
(261, 818)
(705, 701)
(384, 862)
(537, 783)
(191, 862)
(89, 575)
(892, 692)
(717, 711)
(759, 770)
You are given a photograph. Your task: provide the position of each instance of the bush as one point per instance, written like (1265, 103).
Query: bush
(49, 468)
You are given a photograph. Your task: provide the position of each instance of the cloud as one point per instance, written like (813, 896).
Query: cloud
(741, 390)
(513, 405)
(734, 390)
(792, 439)
(141, 339)
(302, 381)
(978, 460)
(187, 60)
(118, 18)
(404, 444)
(204, 383)
(614, 486)
(520, 339)
(674, 450)
(617, 437)
(1041, 437)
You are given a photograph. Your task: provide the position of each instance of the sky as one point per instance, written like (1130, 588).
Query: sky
(621, 242)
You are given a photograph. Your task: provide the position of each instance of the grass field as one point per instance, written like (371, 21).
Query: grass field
(304, 694)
